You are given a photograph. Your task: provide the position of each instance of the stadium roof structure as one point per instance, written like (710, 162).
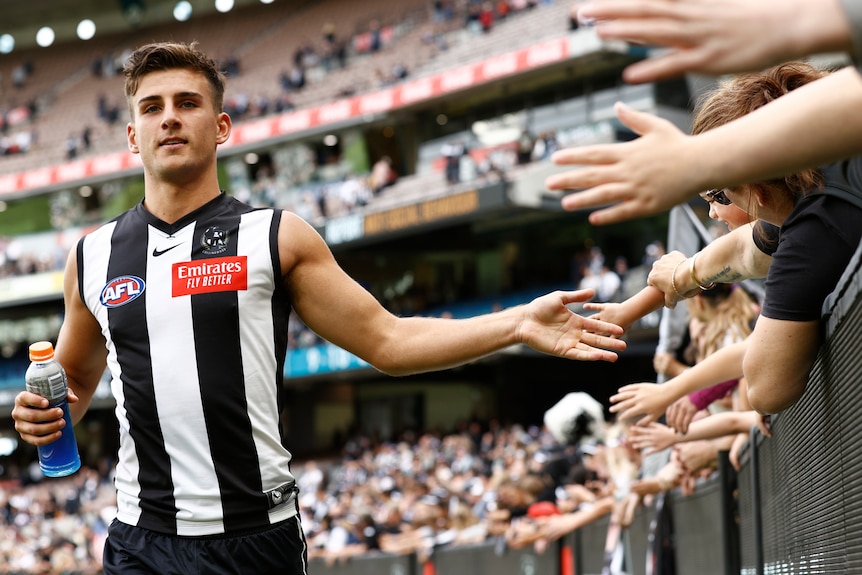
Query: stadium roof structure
(22, 20)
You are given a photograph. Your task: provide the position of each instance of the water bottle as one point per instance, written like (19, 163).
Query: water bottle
(47, 378)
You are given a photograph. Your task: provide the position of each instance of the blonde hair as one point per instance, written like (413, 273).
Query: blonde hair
(729, 315)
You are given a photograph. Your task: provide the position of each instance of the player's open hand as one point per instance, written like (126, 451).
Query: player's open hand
(551, 327)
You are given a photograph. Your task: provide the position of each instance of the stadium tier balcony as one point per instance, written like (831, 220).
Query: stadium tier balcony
(264, 46)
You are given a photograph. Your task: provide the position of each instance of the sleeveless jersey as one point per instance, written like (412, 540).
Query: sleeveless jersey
(195, 319)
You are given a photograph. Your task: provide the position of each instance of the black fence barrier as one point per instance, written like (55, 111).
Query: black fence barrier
(495, 559)
(368, 564)
(800, 495)
(706, 538)
(637, 541)
(588, 544)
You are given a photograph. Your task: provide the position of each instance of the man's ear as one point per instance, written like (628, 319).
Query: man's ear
(224, 126)
(132, 139)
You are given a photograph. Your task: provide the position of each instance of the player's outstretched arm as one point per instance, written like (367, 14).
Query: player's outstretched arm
(341, 311)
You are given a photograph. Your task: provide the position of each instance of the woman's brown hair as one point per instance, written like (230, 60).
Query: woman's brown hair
(744, 94)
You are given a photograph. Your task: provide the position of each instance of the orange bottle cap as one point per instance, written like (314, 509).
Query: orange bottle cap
(41, 350)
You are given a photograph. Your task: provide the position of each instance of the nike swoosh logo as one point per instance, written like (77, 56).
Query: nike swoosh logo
(157, 252)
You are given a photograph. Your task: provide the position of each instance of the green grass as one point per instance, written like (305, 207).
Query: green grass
(26, 216)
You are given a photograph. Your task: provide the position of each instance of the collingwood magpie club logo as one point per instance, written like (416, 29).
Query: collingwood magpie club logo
(214, 240)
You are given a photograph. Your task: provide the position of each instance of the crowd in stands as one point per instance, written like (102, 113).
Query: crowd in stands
(57, 526)
(330, 189)
(14, 261)
(424, 492)
(311, 62)
(415, 494)
(16, 135)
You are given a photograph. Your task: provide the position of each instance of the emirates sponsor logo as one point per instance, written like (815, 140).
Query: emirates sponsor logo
(209, 276)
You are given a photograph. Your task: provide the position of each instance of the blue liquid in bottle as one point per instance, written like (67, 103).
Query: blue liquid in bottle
(47, 378)
(60, 458)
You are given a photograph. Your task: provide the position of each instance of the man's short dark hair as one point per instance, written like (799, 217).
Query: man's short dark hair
(162, 56)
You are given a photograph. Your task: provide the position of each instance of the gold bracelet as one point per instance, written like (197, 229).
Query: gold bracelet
(673, 279)
(694, 279)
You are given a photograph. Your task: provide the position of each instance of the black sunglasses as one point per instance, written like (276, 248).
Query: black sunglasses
(717, 195)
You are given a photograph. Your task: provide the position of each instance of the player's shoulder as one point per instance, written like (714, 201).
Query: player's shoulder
(293, 222)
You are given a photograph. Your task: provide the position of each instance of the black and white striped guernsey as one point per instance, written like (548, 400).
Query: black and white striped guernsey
(195, 318)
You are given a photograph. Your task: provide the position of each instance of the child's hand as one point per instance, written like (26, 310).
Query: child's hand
(609, 312)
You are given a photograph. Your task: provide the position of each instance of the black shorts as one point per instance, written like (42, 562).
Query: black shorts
(279, 549)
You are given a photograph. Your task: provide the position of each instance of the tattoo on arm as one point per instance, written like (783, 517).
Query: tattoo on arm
(725, 276)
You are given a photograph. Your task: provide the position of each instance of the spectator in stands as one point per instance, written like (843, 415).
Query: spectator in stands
(656, 436)
(71, 147)
(486, 17)
(726, 315)
(328, 33)
(295, 78)
(609, 285)
(438, 10)
(374, 29)
(502, 9)
(606, 283)
(721, 319)
(806, 129)
(621, 268)
(86, 138)
(20, 73)
(816, 213)
(175, 95)
(542, 529)
(331, 47)
(452, 153)
(526, 143)
(545, 146)
(587, 279)
(230, 66)
(382, 175)
(51, 527)
(800, 208)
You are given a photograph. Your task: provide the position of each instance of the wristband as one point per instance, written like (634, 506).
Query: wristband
(694, 279)
(673, 280)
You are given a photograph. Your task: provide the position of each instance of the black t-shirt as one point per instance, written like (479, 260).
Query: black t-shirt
(813, 246)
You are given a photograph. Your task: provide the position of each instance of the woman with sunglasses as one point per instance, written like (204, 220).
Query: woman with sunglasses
(806, 227)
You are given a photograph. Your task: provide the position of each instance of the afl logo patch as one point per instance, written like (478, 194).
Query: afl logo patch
(121, 290)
